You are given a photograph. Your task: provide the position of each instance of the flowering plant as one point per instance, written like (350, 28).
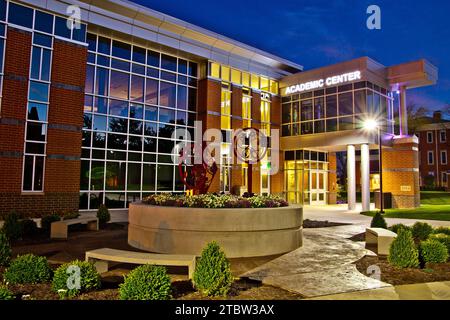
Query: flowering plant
(212, 200)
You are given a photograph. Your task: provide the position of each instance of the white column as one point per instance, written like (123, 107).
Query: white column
(351, 177)
(365, 177)
(403, 112)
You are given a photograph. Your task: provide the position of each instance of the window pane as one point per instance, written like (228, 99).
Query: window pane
(360, 101)
(36, 131)
(118, 108)
(38, 173)
(182, 66)
(151, 95)
(136, 111)
(99, 123)
(331, 106)
(192, 70)
(99, 140)
(167, 94)
(345, 104)
(97, 175)
(92, 41)
(192, 99)
(135, 143)
(2, 10)
(139, 54)
(166, 131)
(20, 15)
(43, 22)
(37, 111)
(38, 91)
(119, 87)
(134, 176)
(102, 82)
(104, 45)
(150, 144)
(151, 113)
(165, 178)
(115, 175)
(182, 97)
(168, 62)
(61, 28)
(306, 110)
(136, 127)
(166, 115)
(137, 89)
(121, 65)
(101, 105)
(36, 63)
(319, 108)
(80, 33)
(117, 141)
(150, 129)
(118, 125)
(28, 173)
(121, 50)
(148, 177)
(153, 58)
(42, 39)
(89, 85)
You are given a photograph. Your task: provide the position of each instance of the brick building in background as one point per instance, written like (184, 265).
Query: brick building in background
(434, 146)
(87, 113)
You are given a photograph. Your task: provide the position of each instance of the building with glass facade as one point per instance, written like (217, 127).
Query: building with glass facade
(92, 94)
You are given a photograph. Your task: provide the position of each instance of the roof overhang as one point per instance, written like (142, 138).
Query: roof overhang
(414, 74)
(139, 22)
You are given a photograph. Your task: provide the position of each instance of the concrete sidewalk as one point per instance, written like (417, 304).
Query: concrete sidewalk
(421, 291)
(340, 213)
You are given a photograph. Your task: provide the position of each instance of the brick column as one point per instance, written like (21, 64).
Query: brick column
(209, 96)
(401, 172)
(13, 111)
(236, 123)
(332, 178)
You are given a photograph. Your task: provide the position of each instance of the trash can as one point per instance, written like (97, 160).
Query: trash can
(387, 200)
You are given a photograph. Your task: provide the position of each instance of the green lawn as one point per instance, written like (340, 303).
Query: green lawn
(435, 205)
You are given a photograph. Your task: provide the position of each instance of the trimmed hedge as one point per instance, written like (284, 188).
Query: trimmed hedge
(432, 251)
(421, 231)
(5, 250)
(29, 269)
(146, 282)
(444, 230)
(29, 228)
(212, 276)
(396, 227)
(65, 275)
(378, 221)
(403, 252)
(442, 238)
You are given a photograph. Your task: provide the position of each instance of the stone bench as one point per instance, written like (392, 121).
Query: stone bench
(381, 238)
(102, 257)
(59, 229)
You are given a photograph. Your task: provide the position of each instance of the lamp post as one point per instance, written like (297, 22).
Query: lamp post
(372, 125)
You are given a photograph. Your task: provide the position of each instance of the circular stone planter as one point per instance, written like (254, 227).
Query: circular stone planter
(240, 232)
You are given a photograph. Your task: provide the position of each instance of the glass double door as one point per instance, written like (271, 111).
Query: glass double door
(318, 186)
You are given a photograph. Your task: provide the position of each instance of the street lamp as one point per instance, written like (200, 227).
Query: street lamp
(372, 125)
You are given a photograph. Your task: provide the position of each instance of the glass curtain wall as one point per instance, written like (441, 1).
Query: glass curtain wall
(135, 99)
(337, 109)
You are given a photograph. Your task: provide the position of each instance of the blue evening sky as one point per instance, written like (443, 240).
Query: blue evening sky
(316, 33)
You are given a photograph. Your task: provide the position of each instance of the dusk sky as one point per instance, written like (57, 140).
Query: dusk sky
(316, 33)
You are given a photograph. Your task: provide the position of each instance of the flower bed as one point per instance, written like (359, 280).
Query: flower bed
(215, 201)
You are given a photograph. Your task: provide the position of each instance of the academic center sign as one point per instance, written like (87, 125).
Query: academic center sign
(330, 81)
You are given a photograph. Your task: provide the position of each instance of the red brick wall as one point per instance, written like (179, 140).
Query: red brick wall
(436, 146)
(62, 174)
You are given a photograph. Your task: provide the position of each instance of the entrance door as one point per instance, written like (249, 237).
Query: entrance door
(318, 186)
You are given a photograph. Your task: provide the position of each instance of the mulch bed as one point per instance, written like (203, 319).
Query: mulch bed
(399, 276)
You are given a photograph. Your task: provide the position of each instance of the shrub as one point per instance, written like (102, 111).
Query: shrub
(70, 215)
(103, 215)
(378, 221)
(5, 294)
(28, 269)
(403, 252)
(29, 227)
(212, 275)
(12, 226)
(421, 231)
(47, 220)
(442, 238)
(5, 250)
(444, 230)
(396, 227)
(89, 279)
(146, 282)
(433, 251)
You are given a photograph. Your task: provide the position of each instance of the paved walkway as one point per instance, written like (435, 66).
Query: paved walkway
(322, 266)
(340, 213)
(421, 291)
